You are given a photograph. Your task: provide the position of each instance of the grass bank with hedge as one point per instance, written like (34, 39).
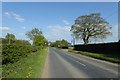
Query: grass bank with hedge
(27, 67)
(106, 57)
(104, 48)
(14, 52)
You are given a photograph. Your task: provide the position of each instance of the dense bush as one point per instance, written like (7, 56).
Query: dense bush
(106, 48)
(18, 42)
(22, 42)
(12, 53)
(35, 48)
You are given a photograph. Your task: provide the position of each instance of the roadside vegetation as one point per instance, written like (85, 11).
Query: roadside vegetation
(20, 58)
(0, 59)
(28, 67)
(106, 57)
(60, 44)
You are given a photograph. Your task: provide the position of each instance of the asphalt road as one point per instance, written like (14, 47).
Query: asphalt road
(61, 64)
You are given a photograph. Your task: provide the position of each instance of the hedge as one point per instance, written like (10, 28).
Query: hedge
(64, 47)
(106, 48)
(12, 53)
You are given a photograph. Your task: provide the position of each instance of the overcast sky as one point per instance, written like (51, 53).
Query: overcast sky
(54, 19)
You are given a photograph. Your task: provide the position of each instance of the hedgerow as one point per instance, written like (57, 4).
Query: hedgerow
(13, 52)
(106, 48)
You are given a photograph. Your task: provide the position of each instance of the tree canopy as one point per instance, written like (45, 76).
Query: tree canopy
(39, 40)
(33, 33)
(36, 36)
(10, 38)
(91, 26)
(59, 43)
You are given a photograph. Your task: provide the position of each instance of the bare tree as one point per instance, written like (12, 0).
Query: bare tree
(90, 26)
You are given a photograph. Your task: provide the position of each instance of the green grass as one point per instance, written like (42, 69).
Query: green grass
(29, 67)
(106, 57)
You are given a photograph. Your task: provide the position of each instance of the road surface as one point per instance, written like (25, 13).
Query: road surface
(61, 64)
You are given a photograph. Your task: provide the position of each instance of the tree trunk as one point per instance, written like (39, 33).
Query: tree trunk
(9, 41)
(86, 41)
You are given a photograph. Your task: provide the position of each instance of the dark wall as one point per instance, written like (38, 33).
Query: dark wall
(106, 48)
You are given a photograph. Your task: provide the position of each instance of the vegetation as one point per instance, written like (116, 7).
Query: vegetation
(36, 36)
(40, 41)
(106, 57)
(0, 61)
(90, 26)
(105, 48)
(10, 38)
(19, 42)
(21, 59)
(28, 67)
(12, 53)
(34, 32)
(22, 42)
(59, 43)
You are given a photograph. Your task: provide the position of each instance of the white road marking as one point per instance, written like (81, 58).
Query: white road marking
(81, 63)
(99, 66)
(77, 61)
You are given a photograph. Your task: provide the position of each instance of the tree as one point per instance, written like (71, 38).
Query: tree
(10, 38)
(59, 43)
(64, 43)
(33, 34)
(39, 40)
(91, 26)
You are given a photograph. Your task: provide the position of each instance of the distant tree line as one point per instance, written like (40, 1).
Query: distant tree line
(59, 43)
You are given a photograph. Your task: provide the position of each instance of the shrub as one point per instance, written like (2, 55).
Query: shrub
(12, 53)
(22, 42)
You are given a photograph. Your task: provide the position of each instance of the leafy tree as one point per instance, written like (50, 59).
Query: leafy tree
(33, 34)
(59, 43)
(39, 40)
(10, 38)
(91, 26)
(64, 43)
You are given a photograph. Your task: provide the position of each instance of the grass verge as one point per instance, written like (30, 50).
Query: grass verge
(101, 56)
(29, 67)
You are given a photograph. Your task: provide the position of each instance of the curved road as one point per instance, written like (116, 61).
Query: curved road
(61, 64)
